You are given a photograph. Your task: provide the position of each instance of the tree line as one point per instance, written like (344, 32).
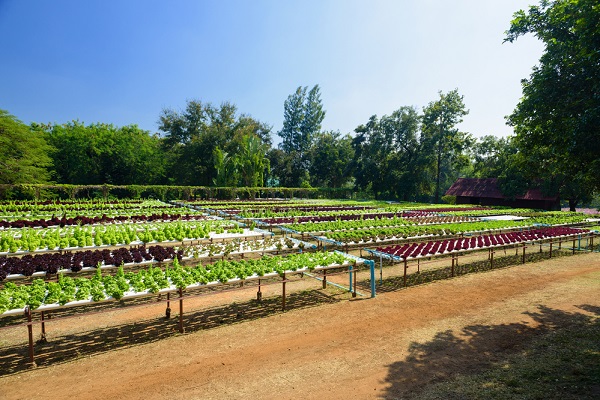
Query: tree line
(410, 154)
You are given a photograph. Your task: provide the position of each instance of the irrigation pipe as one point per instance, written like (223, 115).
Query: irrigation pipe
(332, 283)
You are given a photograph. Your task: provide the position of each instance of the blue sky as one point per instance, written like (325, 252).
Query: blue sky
(122, 62)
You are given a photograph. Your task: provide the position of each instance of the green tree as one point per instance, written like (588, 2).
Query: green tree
(331, 157)
(192, 136)
(24, 156)
(491, 155)
(226, 168)
(303, 115)
(445, 142)
(103, 153)
(389, 157)
(556, 121)
(252, 161)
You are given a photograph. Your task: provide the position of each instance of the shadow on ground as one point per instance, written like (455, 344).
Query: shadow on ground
(555, 357)
(60, 349)
(394, 283)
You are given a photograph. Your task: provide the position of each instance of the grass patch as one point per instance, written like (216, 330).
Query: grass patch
(562, 363)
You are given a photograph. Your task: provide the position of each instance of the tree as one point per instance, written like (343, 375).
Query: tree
(389, 158)
(490, 155)
(556, 121)
(226, 168)
(303, 115)
(252, 161)
(444, 141)
(192, 137)
(24, 156)
(103, 153)
(331, 157)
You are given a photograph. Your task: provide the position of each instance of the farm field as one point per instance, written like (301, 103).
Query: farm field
(394, 346)
(435, 319)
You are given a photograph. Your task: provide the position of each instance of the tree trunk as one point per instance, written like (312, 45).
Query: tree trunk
(573, 204)
(438, 173)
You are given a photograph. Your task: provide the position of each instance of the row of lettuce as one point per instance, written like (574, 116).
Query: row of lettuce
(153, 279)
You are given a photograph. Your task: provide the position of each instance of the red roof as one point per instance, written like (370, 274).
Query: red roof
(488, 187)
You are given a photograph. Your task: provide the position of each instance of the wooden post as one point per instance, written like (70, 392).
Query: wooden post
(452, 269)
(43, 337)
(30, 332)
(492, 259)
(181, 330)
(523, 253)
(574, 246)
(168, 310)
(283, 294)
(324, 279)
(259, 293)
(550, 249)
(405, 268)
(354, 293)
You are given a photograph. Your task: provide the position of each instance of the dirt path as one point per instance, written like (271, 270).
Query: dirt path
(376, 348)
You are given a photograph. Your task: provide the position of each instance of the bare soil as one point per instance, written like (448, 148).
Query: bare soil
(326, 345)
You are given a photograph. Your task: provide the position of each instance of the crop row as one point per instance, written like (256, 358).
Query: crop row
(432, 248)
(58, 207)
(327, 218)
(28, 239)
(340, 225)
(52, 263)
(152, 280)
(367, 235)
(297, 209)
(104, 219)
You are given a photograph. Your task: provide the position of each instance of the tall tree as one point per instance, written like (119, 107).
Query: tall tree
(556, 121)
(331, 157)
(303, 115)
(192, 137)
(103, 153)
(446, 143)
(388, 156)
(252, 160)
(24, 156)
(490, 155)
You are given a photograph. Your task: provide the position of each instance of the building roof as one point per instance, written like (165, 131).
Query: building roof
(488, 188)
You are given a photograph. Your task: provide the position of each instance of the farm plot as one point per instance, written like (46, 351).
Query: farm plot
(144, 259)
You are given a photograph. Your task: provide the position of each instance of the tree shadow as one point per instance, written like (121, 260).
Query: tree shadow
(485, 352)
(66, 348)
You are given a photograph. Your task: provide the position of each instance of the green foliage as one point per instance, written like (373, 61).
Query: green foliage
(303, 115)
(556, 122)
(445, 144)
(449, 199)
(332, 157)
(24, 156)
(103, 154)
(152, 280)
(193, 136)
(389, 157)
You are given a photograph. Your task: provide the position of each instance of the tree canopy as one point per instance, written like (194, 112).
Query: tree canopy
(24, 156)
(556, 122)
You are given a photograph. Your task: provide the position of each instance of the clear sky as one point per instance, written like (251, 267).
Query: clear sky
(123, 61)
